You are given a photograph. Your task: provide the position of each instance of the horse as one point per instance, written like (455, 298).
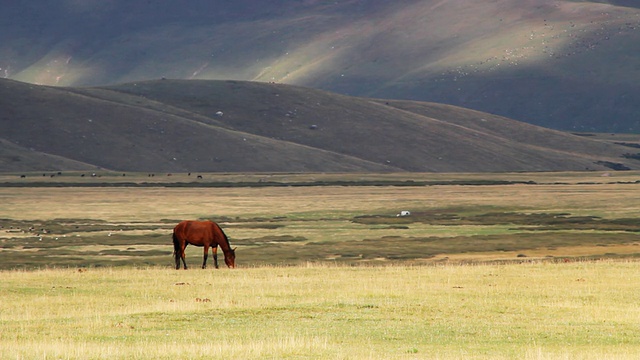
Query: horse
(202, 233)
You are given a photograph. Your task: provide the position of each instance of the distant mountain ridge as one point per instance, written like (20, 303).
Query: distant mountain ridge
(237, 126)
(562, 64)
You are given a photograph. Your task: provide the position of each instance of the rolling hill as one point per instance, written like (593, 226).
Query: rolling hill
(237, 126)
(563, 64)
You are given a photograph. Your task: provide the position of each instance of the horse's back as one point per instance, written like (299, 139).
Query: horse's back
(195, 231)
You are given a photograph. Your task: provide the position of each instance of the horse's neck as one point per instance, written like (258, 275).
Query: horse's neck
(224, 245)
(220, 238)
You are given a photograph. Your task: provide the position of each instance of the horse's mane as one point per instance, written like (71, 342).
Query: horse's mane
(226, 239)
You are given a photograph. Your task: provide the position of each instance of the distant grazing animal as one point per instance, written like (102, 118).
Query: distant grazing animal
(202, 233)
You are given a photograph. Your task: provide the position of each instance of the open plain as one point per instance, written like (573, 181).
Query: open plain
(534, 266)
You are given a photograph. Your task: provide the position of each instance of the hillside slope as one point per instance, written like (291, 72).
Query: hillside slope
(563, 64)
(233, 126)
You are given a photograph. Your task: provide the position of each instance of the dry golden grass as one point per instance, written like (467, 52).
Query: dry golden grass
(599, 196)
(583, 310)
(539, 308)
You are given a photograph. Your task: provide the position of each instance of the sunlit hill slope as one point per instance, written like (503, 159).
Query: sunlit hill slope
(562, 64)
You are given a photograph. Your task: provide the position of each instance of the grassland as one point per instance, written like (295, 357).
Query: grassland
(91, 222)
(578, 310)
(532, 266)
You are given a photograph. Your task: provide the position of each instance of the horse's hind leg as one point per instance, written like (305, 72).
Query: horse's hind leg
(206, 255)
(179, 254)
(182, 257)
(183, 261)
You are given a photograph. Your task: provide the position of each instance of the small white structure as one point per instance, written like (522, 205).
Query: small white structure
(219, 113)
(404, 213)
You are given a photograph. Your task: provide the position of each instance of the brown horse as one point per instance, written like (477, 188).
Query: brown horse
(202, 233)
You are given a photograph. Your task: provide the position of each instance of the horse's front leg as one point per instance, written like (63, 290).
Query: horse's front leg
(215, 256)
(206, 255)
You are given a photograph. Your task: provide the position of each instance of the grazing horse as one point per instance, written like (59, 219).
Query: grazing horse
(202, 233)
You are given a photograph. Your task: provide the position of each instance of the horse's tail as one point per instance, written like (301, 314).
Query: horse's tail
(176, 246)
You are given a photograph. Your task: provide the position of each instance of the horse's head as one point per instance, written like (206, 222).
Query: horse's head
(230, 258)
